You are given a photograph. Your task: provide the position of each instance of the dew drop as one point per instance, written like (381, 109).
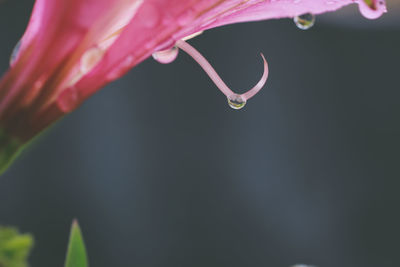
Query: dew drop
(68, 99)
(372, 9)
(236, 101)
(15, 52)
(305, 21)
(166, 56)
(120, 69)
(90, 59)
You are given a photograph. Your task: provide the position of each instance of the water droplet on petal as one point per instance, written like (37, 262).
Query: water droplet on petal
(305, 21)
(90, 59)
(15, 52)
(236, 101)
(68, 99)
(166, 56)
(120, 69)
(373, 10)
(33, 92)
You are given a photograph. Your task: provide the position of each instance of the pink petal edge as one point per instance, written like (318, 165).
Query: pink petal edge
(46, 80)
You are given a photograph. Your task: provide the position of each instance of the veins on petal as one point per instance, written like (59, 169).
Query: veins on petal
(215, 77)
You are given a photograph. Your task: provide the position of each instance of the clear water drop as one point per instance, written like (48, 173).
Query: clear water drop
(236, 101)
(90, 59)
(305, 21)
(166, 56)
(372, 9)
(15, 52)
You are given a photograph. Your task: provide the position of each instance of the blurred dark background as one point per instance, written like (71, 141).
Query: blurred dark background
(159, 171)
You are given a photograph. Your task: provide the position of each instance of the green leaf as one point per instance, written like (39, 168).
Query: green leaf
(76, 254)
(14, 247)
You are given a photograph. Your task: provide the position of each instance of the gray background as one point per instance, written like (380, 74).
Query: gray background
(161, 172)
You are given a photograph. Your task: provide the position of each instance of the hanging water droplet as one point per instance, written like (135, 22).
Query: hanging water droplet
(166, 56)
(305, 21)
(15, 52)
(372, 9)
(236, 101)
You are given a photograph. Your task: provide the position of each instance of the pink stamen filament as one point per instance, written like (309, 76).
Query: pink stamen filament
(214, 75)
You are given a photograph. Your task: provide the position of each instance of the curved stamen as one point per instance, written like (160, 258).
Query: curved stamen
(215, 77)
(249, 94)
(205, 65)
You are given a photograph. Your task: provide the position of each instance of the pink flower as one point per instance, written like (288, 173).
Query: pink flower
(72, 48)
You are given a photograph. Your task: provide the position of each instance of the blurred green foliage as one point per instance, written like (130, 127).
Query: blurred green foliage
(14, 247)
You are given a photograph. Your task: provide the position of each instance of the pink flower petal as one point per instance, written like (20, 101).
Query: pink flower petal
(159, 24)
(72, 48)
